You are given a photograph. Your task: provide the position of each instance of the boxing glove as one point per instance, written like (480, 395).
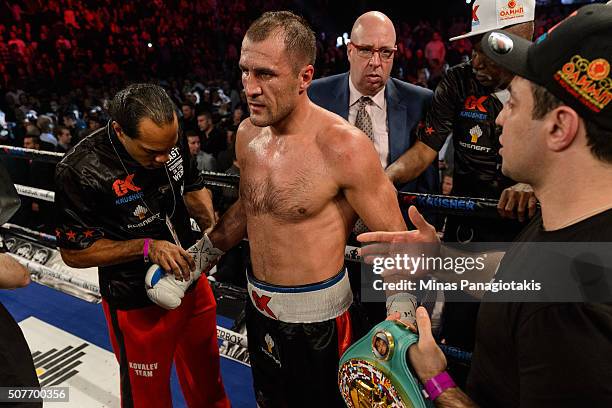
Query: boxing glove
(167, 291)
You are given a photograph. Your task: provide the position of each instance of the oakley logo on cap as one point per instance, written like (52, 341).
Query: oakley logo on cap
(500, 43)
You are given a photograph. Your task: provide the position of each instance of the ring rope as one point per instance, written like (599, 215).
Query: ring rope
(36, 193)
(443, 204)
(33, 154)
(18, 229)
(351, 253)
(447, 205)
(43, 270)
(223, 334)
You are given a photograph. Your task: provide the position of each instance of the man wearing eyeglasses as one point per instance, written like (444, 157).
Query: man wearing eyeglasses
(386, 109)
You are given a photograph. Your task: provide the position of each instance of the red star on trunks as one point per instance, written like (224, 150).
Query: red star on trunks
(71, 235)
(88, 234)
(262, 303)
(429, 131)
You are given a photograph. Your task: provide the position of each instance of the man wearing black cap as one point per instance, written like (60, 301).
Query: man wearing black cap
(464, 107)
(557, 136)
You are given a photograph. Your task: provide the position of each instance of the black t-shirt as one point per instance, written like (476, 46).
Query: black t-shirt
(463, 107)
(16, 365)
(545, 354)
(214, 143)
(189, 124)
(96, 199)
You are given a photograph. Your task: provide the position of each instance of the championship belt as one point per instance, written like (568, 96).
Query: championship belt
(374, 371)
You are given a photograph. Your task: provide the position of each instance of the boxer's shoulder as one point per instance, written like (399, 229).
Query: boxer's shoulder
(245, 133)
(340, 139)
(246, 127)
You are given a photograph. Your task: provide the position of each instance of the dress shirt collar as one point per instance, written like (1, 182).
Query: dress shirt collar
(354, 95)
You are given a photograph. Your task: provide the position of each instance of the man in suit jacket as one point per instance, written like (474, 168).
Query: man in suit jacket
(386, 109)
(395, 107)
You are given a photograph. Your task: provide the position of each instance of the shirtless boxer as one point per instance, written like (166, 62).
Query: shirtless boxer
(306, 174)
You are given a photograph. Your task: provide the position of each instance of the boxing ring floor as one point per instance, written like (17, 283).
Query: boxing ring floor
(68, 336)
(51, 319)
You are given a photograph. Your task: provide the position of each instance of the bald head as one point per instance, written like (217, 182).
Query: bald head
(372, 21)
(371, 52)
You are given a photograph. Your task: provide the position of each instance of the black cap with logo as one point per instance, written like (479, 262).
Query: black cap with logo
(572, 60)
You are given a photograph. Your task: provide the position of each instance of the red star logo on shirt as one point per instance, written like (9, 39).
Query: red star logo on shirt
(88, 234)
(429, 130)
(71, 235)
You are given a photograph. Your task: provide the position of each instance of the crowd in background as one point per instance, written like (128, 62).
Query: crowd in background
(62, 60)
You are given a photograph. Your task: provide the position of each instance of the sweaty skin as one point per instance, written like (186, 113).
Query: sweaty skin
(305, 176)
(297, 211)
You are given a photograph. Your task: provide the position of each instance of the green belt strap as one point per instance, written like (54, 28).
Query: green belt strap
(374, 371)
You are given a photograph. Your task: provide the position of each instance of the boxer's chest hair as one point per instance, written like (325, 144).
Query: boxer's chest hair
(288, 197)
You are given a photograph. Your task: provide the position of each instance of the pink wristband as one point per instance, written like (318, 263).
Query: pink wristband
(438, 384)
(145, 249)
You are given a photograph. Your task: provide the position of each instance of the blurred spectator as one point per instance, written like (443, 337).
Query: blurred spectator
(459, 52)
(18, 44)
(435, 51)
(206, 161)
(47, 139)
(212, 139)
(228, 195)
(188, 121)
(225, 159)
(95, 118)
(73, 124)
(435, 54)
(31, 141)
(237, 117)
(64, 139)
(38, 213)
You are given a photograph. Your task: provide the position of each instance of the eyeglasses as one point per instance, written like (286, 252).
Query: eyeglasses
(368, 52)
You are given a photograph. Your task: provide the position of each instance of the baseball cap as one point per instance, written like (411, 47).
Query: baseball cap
(490, 15)
(571, 60)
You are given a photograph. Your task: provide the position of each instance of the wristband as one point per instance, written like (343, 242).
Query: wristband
(145, 249)
(438, 384)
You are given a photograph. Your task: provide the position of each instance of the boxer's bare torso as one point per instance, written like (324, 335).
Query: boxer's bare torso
(305, 174)
(298, 191)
